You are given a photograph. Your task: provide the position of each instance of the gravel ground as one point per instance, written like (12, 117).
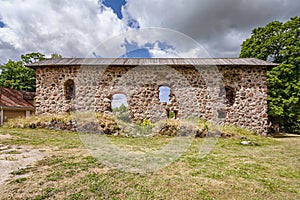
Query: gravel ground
(13, 158)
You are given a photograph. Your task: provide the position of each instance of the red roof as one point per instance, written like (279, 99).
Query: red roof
(14, 98)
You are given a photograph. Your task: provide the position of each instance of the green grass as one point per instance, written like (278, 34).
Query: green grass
(55, 176)
(20, 180)
(268, 170)
(13, 152)
(48, 192)
(20, 171)
(42, 137)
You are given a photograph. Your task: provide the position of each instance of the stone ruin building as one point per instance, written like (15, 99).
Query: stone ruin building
(233, 89)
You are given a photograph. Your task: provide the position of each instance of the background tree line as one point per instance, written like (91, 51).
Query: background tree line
(280, 43)
(15, 75)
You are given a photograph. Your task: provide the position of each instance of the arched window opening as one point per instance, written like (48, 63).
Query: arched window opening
(69, 90)
(164, 94)
(230, 95)
(119, 106)
(119, 101)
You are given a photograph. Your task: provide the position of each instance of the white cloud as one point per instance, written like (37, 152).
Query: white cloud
(175, 44)
(157, 52)
(118, 100)
(210, 21)
(74, 28)
(178, 42)
(68, 27)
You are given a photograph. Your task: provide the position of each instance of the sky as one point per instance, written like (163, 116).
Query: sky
(119, 99)
(134, 28)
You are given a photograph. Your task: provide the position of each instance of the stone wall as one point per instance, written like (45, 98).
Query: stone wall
(235, 94)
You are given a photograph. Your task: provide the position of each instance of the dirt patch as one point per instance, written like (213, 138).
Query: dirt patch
(17, 158)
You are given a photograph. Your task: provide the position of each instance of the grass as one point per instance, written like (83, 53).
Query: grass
(42, 137)
(20, 180)
(13, 152)
(48, 192)
(20, 171)
(30, 122)
(268, 170)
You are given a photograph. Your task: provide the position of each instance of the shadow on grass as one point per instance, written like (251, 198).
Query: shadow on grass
(285, 135)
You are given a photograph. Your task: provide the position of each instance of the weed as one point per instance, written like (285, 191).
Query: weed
(205, 195)
(78, 196)
(55, 176)
(48, 192)
(35, 121)
(13, 152)
(20, 180)
(10, 158)
(20, 171)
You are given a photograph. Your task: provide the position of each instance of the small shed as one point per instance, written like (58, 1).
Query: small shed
(15, 103)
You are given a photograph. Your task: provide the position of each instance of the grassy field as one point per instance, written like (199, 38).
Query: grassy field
(268, 169)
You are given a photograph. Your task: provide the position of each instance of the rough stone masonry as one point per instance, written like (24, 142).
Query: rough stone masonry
(230, 90)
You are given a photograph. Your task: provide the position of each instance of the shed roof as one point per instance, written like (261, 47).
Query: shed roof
(15, 99)
(152, 61)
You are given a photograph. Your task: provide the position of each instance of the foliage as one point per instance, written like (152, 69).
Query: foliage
(171, 114)
(147, 123)
(123, 117)
(143, 128)
(32, 57)
(55, 55)
(120, 109)
(16, 76)
(121, 113)
(280, 43)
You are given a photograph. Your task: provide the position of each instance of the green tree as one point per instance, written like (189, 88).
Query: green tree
(280, 43)
(55, 55)
(121, 109)
(32, 57)
(16, 76)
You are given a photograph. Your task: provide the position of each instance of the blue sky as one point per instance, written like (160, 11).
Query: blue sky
(164, 94)
(116, 5)
(73, 28)
(132, 49)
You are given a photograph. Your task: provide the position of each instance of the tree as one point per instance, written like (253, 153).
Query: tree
(16, 76)
(121, 109)
(280, 43)
(55, 55)
(32, 57)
